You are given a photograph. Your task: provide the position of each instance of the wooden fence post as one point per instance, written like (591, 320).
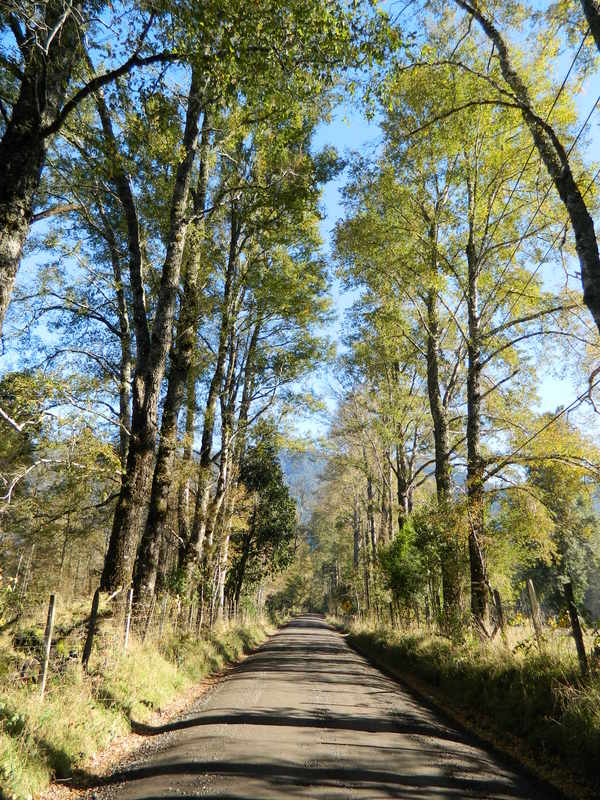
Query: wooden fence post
(576, 627)
(535, 612)
(163, 614)
(47, 644)
(149, 618)
(500, 614)
(89, 640)
(128, 619)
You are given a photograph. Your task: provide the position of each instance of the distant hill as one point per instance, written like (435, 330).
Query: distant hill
(303, 474)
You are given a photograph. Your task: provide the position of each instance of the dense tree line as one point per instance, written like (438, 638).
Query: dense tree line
(172, 298)
(161, 185)
(450, 237)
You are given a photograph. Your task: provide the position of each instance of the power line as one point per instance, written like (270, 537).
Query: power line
(574, 404)
(548, 115)
(559, 234)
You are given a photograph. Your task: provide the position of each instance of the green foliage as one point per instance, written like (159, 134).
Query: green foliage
(263, 535)
(544, 526)
(295, 590)
(274, 510)
(403, 566)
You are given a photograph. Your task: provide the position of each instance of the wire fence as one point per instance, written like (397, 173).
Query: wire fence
(47, 639)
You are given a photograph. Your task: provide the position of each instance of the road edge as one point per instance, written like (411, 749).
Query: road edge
(133, 744)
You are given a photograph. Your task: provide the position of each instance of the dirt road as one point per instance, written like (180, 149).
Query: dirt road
(305, 716)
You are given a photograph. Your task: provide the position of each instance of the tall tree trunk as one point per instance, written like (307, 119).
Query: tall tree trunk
(151, 359)
(215, 506)
(402, 487)
(475, 464)
(239, 451)
(216, 503)
(390, 502)
(383, 513)
(125, 368)
(370, 509)
(184, 493)
(591, 9)
(43, 85)
(247, 391)
(356, 531)
(163, 564)
(223, 565)
(146, 563)
(436, 406)
(182, 354)
(439, 416)
(224, 554)
(192, 548)
(367, 570)
(183, 503)
(449, 555)
(231, 455)
(192, 551)
(555, 158)
(385, 510)
(226, 465)
(126, 361)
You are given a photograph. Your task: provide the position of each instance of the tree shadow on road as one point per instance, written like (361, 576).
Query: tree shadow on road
(289, 717)
(329, 668)
(294, 779)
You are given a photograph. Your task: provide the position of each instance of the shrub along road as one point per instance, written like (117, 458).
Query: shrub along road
(305, 716)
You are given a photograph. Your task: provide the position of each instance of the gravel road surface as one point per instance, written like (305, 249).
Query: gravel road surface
(305, 716)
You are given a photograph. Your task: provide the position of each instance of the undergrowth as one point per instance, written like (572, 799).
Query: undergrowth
(82, 714)
(535, 696)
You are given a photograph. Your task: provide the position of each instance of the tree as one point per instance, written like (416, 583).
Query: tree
(152, 345)
(181, 358)
(59, 478)
(399, 199)
(429, 230)
(45, 62)
(402, 566)
(266, 545)
(591, 9)
(561, 474)
(553, 153)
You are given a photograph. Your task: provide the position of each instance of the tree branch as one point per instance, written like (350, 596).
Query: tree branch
(61, 208)
(102, 80)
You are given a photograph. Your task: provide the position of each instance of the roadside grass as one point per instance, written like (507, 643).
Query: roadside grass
(506, 692)
(82, 714)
